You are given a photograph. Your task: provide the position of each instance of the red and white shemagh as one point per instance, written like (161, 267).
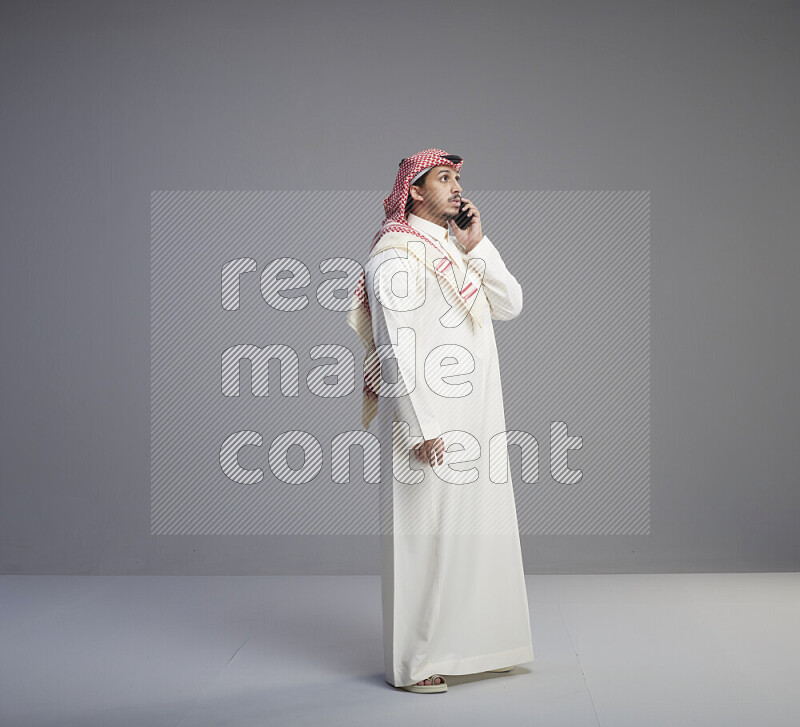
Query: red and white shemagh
(468, 299)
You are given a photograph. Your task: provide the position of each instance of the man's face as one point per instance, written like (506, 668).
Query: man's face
(440, 195)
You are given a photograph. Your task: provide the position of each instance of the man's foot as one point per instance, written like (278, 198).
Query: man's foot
(434, 683)
(428, 682)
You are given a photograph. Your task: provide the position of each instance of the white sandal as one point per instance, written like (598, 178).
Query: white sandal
(505, 668)
(428, 688)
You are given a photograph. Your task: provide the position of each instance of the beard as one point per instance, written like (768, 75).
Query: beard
(450, 211)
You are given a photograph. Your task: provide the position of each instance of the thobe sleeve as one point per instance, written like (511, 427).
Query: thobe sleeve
(502, 290)
(418, 405)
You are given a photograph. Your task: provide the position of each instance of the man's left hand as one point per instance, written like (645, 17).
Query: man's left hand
(473, 234)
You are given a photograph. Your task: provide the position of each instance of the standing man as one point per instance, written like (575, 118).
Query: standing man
(453, 585)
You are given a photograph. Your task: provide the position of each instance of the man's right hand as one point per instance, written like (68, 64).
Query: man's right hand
(430, 451)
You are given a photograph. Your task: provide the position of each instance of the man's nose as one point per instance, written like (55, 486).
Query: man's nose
(456, 186)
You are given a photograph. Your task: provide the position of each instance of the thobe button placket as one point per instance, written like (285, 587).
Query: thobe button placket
(441, 237)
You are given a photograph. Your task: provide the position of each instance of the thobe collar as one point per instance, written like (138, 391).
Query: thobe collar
(440, 235)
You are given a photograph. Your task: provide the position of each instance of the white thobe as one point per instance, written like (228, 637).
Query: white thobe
(453, 585)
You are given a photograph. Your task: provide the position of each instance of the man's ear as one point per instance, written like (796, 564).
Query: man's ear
(416, 195)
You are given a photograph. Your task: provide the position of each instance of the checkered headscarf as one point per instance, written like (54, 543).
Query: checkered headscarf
(359, 317)
(395, 204)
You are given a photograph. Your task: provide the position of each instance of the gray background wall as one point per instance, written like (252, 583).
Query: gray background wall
(104, 102)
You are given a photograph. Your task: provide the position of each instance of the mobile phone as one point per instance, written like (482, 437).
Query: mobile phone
(463, 219)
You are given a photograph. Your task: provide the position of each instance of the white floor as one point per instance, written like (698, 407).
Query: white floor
(610, 650)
